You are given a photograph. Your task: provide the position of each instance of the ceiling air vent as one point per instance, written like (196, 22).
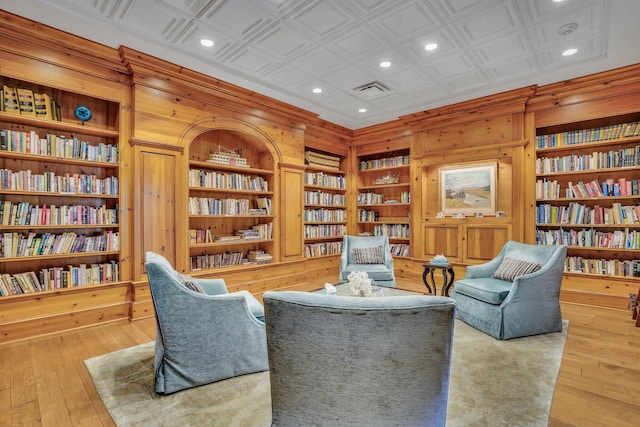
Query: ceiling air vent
(371, 90)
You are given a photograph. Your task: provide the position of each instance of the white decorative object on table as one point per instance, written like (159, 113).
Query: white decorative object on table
(329, 289)
(359, 283)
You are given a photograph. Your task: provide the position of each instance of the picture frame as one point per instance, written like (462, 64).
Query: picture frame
(468, 189)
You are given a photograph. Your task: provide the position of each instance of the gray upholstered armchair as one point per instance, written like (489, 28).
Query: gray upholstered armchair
(204, 335)
(355, 361)
(367, 253)
(509, 297)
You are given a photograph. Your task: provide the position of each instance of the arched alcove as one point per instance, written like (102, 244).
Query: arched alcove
(205, 136)
(231, 201)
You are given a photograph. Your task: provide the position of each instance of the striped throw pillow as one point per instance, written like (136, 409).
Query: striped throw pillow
(372, 255)
(191, 284)
(511, 268)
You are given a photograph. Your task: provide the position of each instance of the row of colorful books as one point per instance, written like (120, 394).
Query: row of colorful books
(590, 238)
(578, 214)
(13, 244)
(227, 181)
(324, 230)
(325, 180)
(605, 133)
(608, 267)
(54, 278)
(547, 189)
(325, 199)
(56, 146)
(325, 215)
(385, 163)
(25, 213)
(72, 183)
(400, 231)
(322, 249)
(624, 157)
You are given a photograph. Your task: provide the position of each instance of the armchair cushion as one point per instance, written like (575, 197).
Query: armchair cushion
(487, 289)
(511, 268)
(372, 255)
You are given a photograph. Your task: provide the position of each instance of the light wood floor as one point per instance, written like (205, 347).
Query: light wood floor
(43, 381)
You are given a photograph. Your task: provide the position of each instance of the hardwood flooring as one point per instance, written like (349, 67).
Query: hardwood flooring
(43, 381)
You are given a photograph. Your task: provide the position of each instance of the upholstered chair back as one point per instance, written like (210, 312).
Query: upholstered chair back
(356, 361)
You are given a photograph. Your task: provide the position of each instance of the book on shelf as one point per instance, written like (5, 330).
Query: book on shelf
(259, 257)
(248, 234)
(264, 203)
(227, 238)
(11, 100)
(44, 106)
(324, 160)
(25, 102)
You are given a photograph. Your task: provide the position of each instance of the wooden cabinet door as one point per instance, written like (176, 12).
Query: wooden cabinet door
(482, 242)
(291, 208)
(441, 239)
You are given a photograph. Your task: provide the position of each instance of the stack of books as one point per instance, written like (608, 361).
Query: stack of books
(260, 257)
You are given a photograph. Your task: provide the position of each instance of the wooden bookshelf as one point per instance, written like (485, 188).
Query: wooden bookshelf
(383, 188)
(230, 207)
(325, 207)
(587, 176)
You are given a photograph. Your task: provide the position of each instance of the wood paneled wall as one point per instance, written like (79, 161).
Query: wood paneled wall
(164, 107)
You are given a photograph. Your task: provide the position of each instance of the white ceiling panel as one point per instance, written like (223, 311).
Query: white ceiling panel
(407, 20)
(323, 19)
(358, 43)
(284, 48)
(452, 65)
(513, 69)
(239, 17)
(283, 42)
(320, 62)
(503, 48)
(489, 23)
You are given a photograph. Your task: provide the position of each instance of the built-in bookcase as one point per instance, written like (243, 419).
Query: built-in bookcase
(59, 193)
(230, 206)
(325, 208)
(383, 198)
(587, 195)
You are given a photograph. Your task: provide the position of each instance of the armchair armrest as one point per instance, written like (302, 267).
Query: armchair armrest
(213, 286)
(483, 270)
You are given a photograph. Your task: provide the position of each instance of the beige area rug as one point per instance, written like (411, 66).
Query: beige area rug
(493, 383)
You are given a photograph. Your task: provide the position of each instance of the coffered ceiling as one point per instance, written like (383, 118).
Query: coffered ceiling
(286, 48)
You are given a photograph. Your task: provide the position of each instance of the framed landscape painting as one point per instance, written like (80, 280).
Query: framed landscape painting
(468, 189)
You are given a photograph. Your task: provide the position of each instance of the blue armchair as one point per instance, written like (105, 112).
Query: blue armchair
(367, 253)
(495, 299)
(341, 360)
(205, 335)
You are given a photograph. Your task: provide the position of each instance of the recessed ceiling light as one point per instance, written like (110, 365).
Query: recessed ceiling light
(558, 1)
(385, 64)
(430, 46)
(317, 90)
(569, 52)
(206, 42)
(362, 110)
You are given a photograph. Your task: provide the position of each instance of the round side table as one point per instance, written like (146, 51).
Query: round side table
(429, 280)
